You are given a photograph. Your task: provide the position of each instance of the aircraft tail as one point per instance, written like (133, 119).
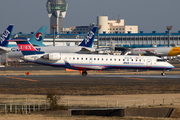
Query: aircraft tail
(37, 39)
(25, 46)
(6, 36)
(88, 41)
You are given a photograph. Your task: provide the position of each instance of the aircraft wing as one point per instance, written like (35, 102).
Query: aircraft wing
(82, 67)
(4, 50)
(150, 53)
(102, 49)
(86, 50)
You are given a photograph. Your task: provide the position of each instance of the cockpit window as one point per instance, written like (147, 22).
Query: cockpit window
(160, 60)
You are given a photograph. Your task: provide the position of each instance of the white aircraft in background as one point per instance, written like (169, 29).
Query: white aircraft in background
(84, 47)
(84, 62)
(159, 51)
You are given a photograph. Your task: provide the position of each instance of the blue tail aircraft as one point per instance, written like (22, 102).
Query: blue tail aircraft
(4, 40)
(36, 39)
(6, 36)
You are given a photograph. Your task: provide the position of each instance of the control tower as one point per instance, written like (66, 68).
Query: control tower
(56, 12)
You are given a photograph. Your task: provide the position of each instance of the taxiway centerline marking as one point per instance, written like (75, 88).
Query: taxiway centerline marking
(23, 79)
(136, 78)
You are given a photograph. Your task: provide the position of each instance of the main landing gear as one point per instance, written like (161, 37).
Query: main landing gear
(84, 73)
(163, 73)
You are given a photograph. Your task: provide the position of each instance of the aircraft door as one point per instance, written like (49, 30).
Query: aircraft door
(90, 59)
(149, 62)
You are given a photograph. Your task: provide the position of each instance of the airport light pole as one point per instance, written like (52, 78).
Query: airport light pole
(54, 27)
(99, 27)
(169, 28)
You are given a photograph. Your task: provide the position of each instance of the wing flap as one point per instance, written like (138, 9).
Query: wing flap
(89, 67)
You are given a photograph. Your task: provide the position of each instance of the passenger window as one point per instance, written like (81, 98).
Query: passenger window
(69, 58)
(73, 58)
(102, 59)
(114, 59)
(98, 59)
(123, 59)
(119, 59)
(81, 58)
(86, 59)
(94, 58)
(106, 59)
(131, 59)
(77, 58)
(110, 59)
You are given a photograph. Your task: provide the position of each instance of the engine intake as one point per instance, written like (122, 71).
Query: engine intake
(52, 56)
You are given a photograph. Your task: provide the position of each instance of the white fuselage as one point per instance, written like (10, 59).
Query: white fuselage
(95, 61)
(15, 53)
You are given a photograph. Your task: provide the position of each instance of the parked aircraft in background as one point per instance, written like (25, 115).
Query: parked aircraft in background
(3, 40)
(14, 53)
(36, 39)
(159, 51)
(85, 62)
(84, 47)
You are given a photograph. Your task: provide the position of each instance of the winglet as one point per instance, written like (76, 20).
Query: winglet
(6, 36)
(88, 41)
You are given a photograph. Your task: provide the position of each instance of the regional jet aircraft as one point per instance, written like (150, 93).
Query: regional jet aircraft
(84, 62)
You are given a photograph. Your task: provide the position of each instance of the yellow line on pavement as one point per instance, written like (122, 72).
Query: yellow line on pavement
(23, 79)
(136, 78)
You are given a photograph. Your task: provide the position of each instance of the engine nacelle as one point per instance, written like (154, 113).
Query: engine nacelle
(52, 56)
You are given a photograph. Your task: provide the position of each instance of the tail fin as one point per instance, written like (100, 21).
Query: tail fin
(37, 39)
(88, 41)
(6, 36)
(25, 46)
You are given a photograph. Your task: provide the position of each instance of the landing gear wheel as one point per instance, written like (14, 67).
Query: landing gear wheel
(163, 74)
(84, 73)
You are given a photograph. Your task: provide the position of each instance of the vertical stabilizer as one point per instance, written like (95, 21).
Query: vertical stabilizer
(37, 39)
(6, 36)
(89, 40)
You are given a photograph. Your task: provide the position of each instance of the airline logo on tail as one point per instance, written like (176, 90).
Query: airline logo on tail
(39, 36)
(5, 36)
(26, 47)
(90, 36)
(88, 41)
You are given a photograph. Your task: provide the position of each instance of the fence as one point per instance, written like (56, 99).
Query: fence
(25, 106)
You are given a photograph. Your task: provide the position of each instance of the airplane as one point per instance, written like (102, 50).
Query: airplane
(84, 47)
(159, 51)
(85, 62)
(3, 40)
